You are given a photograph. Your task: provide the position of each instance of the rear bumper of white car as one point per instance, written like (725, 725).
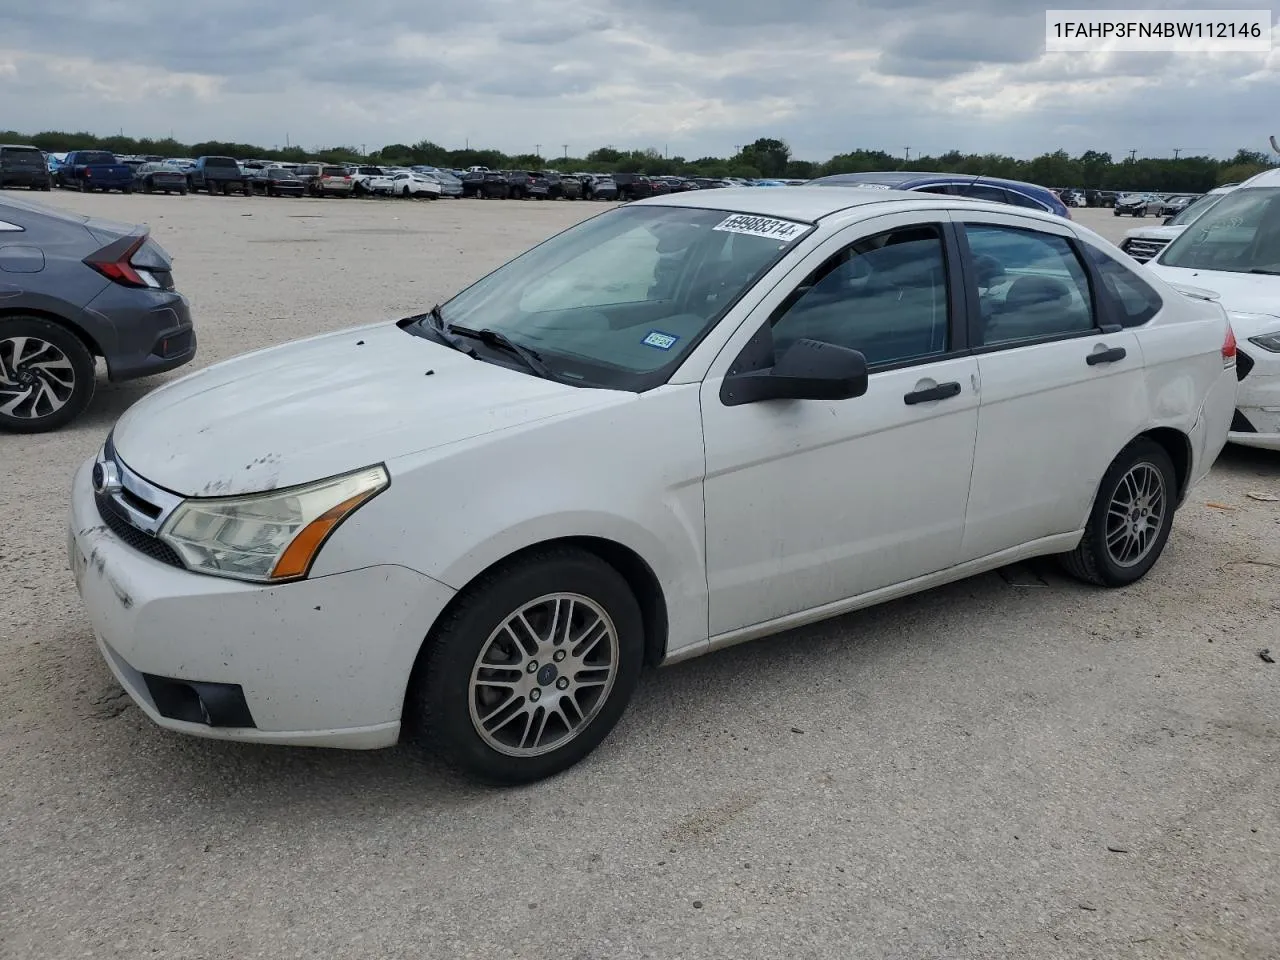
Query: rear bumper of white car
(321, 662)
(1257, 419)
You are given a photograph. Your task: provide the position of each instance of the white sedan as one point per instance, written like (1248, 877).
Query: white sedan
(406, 183)
(1234, 252)
(681, 424)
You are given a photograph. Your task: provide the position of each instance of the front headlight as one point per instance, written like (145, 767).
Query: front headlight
(267, 537)
(1268, 341)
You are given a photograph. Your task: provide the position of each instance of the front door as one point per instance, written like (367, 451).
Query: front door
(811, 502)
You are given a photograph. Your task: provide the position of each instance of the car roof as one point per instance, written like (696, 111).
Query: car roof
(1268, 178)
(810, 204)
(901, 178)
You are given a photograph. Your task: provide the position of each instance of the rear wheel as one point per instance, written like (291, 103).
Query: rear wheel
(46, 375)
(84, 187)
(1131, 518)
(531, 668)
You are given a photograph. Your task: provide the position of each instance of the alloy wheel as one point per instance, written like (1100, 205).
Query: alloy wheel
(36, 378)
(543, 674)
(1135, 514)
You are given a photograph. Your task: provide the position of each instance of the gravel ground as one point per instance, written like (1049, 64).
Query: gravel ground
(1012, 766)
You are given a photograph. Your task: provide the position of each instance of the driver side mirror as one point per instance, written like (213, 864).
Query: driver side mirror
(808, 370)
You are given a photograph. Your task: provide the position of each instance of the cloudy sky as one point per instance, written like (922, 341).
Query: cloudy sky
(694, 77)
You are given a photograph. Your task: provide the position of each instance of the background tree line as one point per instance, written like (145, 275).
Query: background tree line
(765, 157)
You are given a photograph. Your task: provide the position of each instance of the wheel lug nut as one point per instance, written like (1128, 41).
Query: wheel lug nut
(563, 683)
(533, 666)
(559, 656)
(535, 694)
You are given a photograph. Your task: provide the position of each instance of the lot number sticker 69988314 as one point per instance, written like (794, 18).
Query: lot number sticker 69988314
(784, 230)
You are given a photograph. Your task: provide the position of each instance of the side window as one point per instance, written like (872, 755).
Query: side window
(945, 188)
(1022, 200)
(1030, 285)
(980, 191)
(885, 296)
(1137, 300)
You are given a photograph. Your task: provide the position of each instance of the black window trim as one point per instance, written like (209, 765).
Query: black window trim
(1104, 314)
(1115, 312)
(755, 353)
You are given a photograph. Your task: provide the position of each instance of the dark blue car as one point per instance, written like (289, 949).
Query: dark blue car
(956, 184)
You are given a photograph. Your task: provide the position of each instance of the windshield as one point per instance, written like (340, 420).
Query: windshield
(619, 300)
(1195, 210)
(1241, 234)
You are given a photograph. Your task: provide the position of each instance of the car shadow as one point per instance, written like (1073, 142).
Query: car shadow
(682, 702)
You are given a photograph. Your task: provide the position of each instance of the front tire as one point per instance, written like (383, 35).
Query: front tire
(531, 668)
(1131, 518)
(47, 375)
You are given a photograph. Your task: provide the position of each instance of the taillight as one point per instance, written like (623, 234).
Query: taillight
(113, 262)
(1229, 348)
(88, 172)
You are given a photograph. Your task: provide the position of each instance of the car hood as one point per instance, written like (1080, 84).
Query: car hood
(1237, 292)
(1153, 233)
(319, 407)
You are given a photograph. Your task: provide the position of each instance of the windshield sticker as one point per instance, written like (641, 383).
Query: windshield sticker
(660, 340)
(870, 186)
(784, 230)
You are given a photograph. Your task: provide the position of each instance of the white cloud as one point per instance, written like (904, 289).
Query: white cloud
(827, 75)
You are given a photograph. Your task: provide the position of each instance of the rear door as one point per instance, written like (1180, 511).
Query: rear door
(1060, 394)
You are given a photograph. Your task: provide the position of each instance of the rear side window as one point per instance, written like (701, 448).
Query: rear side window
(333, 172)
(1030, 285)
(1137, 301)
(1022, 200)
(980, 191)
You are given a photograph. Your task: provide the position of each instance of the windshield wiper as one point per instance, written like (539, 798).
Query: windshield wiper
(1266, 272)
(501, 341)
(434, 321)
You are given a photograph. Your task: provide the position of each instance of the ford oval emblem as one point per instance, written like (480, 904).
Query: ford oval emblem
(106, 478)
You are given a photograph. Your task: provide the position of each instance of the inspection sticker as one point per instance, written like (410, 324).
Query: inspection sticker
(784, 230)
(663, 341)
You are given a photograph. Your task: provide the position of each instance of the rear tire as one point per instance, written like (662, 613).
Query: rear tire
(1131, 518)
(587, 681)
(55, 370)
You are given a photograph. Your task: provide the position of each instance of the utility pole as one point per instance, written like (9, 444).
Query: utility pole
(537, 150)
(566, 150)
(908, 149)
(1131, 154)
(1176, 151)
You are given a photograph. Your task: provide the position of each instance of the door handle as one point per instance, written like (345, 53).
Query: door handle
(1105, 356)
(940, 392)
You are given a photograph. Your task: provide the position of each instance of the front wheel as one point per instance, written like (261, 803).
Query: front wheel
(46, 375)
(1131, 518)
(530, 669)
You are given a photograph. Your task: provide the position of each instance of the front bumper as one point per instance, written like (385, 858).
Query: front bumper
(321, 662)
(1258, 403)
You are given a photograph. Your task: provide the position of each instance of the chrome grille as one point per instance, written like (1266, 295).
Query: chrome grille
(1143, 249)
(132, 508)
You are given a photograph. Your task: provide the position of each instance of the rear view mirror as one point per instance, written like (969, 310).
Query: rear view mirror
(809, 370)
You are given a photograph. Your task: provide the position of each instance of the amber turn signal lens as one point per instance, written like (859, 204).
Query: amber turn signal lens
(297, 557)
